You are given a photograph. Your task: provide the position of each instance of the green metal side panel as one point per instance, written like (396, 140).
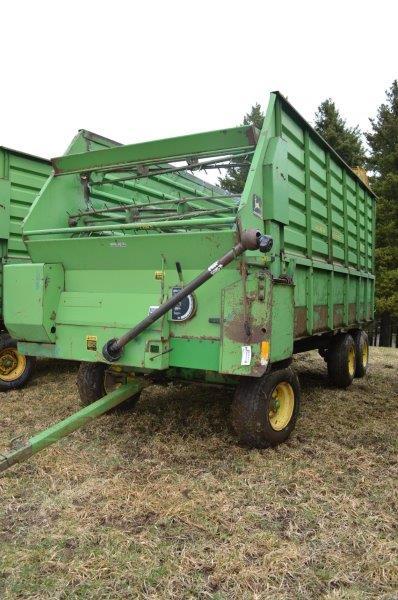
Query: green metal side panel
(276, 205)
(321, 217)
(329, 212)
(330, 231)
(5, 194)
(246, 323)
(32, 295)
(282, 322)
(206, 353)
(21, 178)
(26, 177)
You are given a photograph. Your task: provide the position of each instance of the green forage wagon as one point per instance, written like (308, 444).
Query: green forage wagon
(145, 273)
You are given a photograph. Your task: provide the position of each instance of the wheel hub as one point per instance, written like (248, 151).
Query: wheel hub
(351, 361)
(365, 355)
(281, 406)
(12, 364)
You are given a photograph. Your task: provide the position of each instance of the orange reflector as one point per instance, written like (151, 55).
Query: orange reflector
(264, 352)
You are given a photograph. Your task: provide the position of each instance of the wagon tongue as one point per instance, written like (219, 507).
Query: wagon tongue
(66, 426)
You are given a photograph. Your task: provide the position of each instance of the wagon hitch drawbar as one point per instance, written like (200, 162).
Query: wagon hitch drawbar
(26, 449)
(250, 239)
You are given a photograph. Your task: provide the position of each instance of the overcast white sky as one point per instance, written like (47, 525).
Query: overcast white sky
(142, 70)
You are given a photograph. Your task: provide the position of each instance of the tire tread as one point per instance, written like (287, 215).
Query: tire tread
(337, 361)
(248, 411)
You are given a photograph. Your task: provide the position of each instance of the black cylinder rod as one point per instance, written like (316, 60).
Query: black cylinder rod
(250, 239)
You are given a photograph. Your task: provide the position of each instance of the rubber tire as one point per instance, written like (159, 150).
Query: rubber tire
(6, 341)
(360, 338)
(250, 407)
(90, 384)
(337, 361)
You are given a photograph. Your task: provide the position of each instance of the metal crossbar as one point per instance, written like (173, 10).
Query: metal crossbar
(219, 200)
(147, 172)
(172, 224)
(235, 141)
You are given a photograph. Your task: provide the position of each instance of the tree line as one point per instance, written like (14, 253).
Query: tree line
(375, 154)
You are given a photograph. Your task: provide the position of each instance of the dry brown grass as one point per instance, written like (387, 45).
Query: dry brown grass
(162, 503)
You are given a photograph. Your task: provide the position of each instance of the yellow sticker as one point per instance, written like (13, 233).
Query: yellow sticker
(158, 274)
(91, 342)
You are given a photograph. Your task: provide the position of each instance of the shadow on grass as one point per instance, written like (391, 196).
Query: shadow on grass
(46, 366)
(311, 379)
(196, 409)
(186, 409)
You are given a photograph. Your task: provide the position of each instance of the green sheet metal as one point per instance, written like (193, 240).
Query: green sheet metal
(45, 283)
(214, 143)
(128, 225)
(21, 178)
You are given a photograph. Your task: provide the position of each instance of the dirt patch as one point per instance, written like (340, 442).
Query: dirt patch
(162, 503)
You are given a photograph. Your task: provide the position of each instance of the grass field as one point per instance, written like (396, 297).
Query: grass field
(162, 503)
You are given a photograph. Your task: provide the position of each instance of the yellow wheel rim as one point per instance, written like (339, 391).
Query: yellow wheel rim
(365, 354)
(351, 361)
(281, 406)
(12, 364)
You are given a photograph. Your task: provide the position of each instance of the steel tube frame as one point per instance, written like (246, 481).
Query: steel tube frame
(200, 166)
(169, 216)
(149, 205)
(144, 226)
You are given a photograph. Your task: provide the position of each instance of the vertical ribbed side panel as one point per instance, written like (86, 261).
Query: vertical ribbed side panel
(330, 213)
(330, 231)
(27, 176)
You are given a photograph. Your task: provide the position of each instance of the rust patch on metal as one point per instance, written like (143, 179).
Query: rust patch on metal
(338, 312)
(235, 329)
(258, 334)
(300, 321)
(246, 304)
(252, 135)
(352, 312)
(320, 317)
(362, 312)
(258, 370)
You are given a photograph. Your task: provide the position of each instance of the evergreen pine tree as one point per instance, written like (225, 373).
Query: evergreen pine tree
(346, 141)
(234, 180)
(383, 162)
